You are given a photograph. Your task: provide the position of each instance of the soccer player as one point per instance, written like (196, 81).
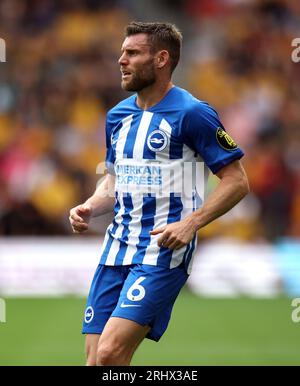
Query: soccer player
(148, 248)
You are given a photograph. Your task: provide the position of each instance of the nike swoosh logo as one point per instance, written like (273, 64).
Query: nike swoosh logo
(123, 305)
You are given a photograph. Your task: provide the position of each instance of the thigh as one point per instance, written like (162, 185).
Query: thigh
(103, 297)
(148, 296)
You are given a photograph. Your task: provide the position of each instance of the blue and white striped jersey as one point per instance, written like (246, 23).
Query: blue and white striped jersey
(160, 157)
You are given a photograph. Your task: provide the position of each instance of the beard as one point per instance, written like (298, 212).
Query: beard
(140, 79)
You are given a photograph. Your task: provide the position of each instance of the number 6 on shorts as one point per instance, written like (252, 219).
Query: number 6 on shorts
(136, 286)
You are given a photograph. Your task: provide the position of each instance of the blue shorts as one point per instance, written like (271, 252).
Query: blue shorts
(142, 293)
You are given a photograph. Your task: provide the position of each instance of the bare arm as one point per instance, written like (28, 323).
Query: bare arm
(103, 199)
(101, 202)
(233, 186)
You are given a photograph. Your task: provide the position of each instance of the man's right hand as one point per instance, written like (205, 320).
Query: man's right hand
(80, 217)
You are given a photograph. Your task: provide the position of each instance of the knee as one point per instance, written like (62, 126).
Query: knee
(111, 355)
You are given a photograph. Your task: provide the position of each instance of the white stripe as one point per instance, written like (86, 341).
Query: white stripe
(123, 136)
(114, 249)
(165, 154)
(134, 227)
(138, 150)
(190, 266)
(160, 219)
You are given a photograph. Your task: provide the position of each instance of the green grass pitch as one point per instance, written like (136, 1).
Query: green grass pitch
(202, 331)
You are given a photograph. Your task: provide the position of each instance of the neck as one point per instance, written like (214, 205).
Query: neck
(153, 94)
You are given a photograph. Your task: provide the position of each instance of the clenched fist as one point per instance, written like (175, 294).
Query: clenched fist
(80, 217)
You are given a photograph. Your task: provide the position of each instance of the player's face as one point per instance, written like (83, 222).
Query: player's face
(136, 63)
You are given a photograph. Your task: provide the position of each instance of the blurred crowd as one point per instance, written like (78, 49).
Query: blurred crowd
(61, 76)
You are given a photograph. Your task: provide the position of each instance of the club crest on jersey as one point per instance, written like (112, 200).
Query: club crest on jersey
(157, 140)
(89, 314)
(224, 140)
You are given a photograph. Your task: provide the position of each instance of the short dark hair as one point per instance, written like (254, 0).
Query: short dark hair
(160, 36)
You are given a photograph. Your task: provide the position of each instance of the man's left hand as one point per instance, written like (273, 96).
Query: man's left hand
(176, 234)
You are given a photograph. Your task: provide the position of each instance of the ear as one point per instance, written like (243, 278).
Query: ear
(162, 58)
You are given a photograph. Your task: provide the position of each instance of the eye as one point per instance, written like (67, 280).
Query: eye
(132, 52)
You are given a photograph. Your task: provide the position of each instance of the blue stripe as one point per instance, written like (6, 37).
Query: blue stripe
(176, 148)
(187, 249)
(106, 250)
(116, 210)
(113, 230)
(131, 137)
(114, 136)
(191, 250)
(127, 200)
(147, 223)
(176, 141)
(165, 254)
(190, 253)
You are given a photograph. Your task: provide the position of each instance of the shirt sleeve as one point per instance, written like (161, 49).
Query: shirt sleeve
(204, 133)
(110, 153)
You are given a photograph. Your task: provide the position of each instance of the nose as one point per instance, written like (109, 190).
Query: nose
(123, 60)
